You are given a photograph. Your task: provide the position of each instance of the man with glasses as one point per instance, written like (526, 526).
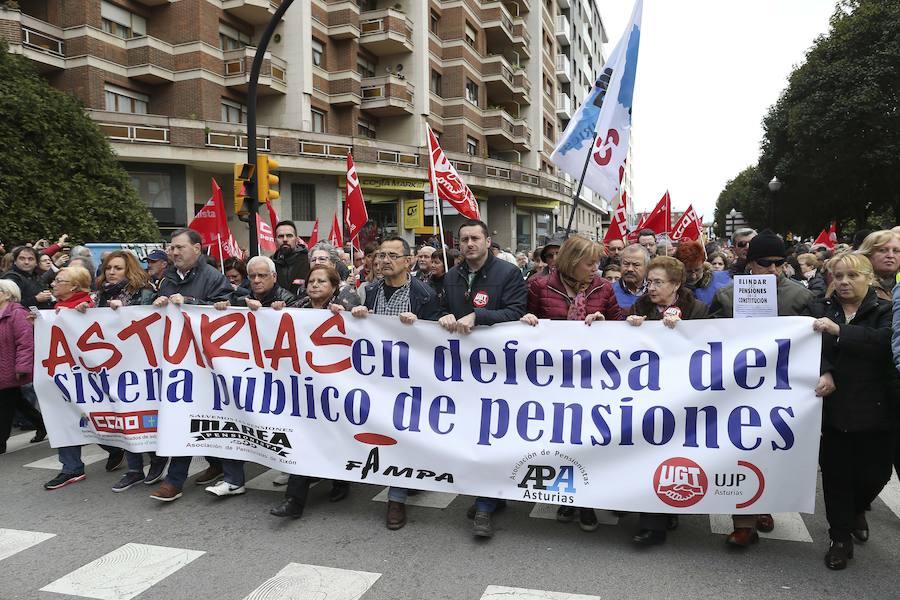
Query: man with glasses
(398, 294)
(741, 243)
(765, 256)
(633, 283)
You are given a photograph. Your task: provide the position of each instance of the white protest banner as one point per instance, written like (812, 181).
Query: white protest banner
(755, 296)
(711, 417)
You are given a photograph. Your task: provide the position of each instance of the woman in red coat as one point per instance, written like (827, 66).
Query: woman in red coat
(574, 291)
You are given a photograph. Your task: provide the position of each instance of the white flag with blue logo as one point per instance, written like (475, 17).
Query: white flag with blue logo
(606, 111)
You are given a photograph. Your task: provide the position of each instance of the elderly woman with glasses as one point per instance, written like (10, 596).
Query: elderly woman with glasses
(324, 254)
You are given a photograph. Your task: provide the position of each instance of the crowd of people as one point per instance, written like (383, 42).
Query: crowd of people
(848, 291)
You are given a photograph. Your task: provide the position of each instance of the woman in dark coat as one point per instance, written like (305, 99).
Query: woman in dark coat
(858, 385)
(666, 300)
(573, 291)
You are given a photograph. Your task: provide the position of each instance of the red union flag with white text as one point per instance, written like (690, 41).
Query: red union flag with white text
(688, 226)
(355, 214)
(618, 228)
(212, 224)
(450, 187)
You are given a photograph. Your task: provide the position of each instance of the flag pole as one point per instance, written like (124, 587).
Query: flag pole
(575, 198)
(221, 256)
(438, 212)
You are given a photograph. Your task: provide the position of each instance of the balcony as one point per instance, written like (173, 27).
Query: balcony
(563, 107)
(497, 24)
(152, 2)
(503, 132)
(340, 88)
(504, 82)
(150, 60)
(255, 12)
(521, 39)
(563, 30)
(40, 42)
(343, 20)
(387, 96)
(563, 68)
(272, 75)
(385, 32)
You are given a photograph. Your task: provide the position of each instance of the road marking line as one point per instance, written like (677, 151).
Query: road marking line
(89, 456)
(13, 541)
(499, 592)
(312, 581)
(426, 499)
(22, 440)
(548, 511)
(890, 495)
(123, 573)
(788, 527)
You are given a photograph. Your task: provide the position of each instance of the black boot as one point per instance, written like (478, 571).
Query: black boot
(861, 528)
(838, 554)
(291, 507)
(339, 491)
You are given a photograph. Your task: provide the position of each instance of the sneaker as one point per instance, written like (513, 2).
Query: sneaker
(587, 519)
(223, 488)
(482, 526)
(166, 493)
(128, 480)
(116, 459)
(281, 480)
(565, 514)
(157, 470)
(63, 479)
(210, 475)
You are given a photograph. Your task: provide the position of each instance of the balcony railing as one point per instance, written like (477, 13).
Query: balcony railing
(563, 30)
(235, 141)
(42, 42)
(135, 133)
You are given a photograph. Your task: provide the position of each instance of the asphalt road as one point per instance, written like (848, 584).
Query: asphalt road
(202, 547)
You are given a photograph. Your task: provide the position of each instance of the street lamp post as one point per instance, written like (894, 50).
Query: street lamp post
(774, 186)
(729, 219)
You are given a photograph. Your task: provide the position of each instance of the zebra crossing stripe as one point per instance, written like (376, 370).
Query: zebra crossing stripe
(20, 441)
(13, 541)
(499, 592)
(788, 527)
(548, 511)
(312, 581)
(890, 495)
(426, 499)
(89, 456)
(123, 573)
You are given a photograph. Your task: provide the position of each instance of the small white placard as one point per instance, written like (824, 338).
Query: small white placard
(755, 296)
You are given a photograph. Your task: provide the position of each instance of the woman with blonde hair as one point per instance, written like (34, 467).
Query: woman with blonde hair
(882, 248)
(858, 410)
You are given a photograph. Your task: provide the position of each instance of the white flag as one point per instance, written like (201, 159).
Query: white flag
(606, 111)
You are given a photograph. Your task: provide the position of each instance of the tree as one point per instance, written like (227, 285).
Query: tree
(833, 137)
(59, 172)
(746, 193)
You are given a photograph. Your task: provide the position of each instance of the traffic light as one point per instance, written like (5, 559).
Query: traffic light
(265, 179)
(240, 193)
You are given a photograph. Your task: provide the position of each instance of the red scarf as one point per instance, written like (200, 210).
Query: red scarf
(76, 299)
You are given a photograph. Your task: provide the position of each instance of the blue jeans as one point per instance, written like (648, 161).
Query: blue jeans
(179, 465)
(487, 505)
(396, 494)
(70, 457)
(136, 461)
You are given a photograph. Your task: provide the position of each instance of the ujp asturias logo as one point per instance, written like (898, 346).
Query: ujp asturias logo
(131, 423)
(680, 482)
(373, 464)
(555, 481)
(217, 429)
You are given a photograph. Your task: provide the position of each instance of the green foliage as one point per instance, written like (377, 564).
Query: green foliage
(833, 137)
(746, 193)
(59, 174)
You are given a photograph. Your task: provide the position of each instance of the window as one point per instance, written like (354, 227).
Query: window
(318, 53)
(303, 202)
(233, 112)
(365, 67)
(318, 121)
(232, 39)
(548, 86)
(471, 92)
(120, 22)
(435, 22)
(471, 146)
(548, 128)
(470, 35)
(365, 129)
(436, 82)
(155, 189)
(125, 101)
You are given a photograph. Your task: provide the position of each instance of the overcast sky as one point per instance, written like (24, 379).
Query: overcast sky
(708, 70)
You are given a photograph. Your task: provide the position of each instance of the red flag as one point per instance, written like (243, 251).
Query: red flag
(314, 236)
(355, 207)
(828, 238)
(336, 237)
(618, 227)
(266, 236)
(212, 224)
(446, 182)
(273, 216)
(688, 226)
(660, 219)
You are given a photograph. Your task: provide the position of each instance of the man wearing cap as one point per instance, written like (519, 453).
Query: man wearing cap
(548, 256)
(157, 261)
(765, 256)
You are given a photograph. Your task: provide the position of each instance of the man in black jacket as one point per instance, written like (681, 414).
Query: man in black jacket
(481, 290)
(291, 259)
(190, 280)
(24, 274)
(264, 288)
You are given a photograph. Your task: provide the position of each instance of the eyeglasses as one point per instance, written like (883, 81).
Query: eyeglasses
(58, 281)
(389, 255)
(742, 244)
(768, 262)
(320, 259)
(655, 283)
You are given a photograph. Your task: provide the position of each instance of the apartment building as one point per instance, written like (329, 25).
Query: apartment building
(166, 80)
